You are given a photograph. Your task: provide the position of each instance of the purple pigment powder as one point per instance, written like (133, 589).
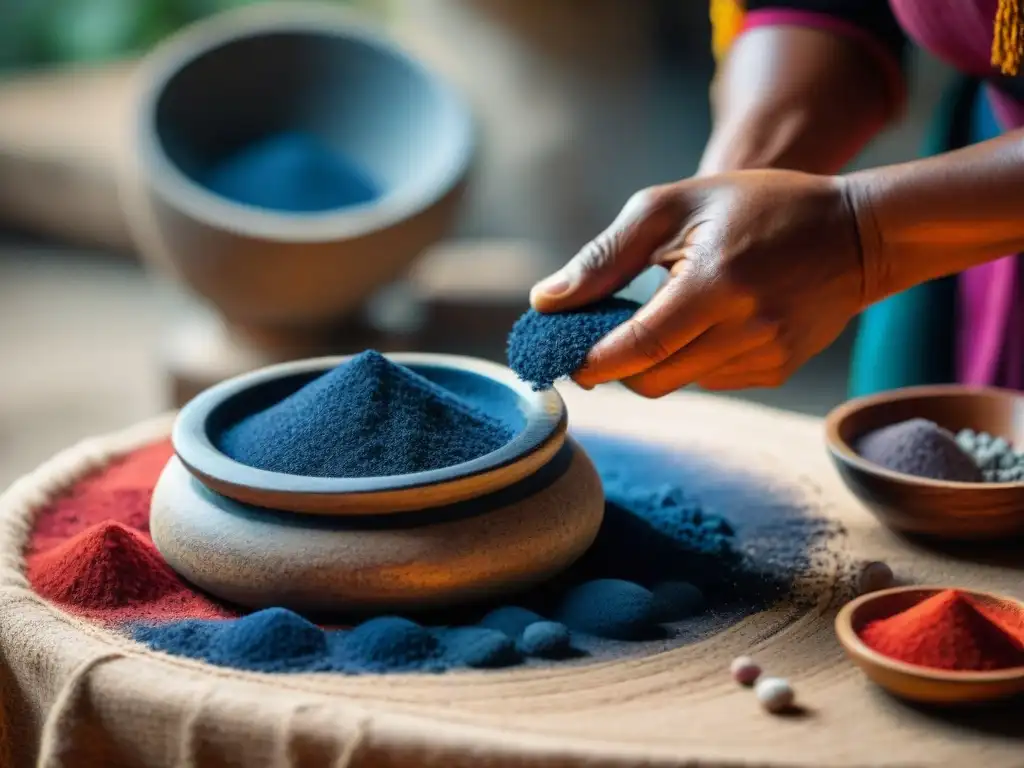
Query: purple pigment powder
(920, 448)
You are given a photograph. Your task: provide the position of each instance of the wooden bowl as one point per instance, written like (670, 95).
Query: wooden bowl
(539, 419)
(917, 505)
(914, 683)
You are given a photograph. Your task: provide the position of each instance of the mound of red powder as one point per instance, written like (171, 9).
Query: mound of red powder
(92, 555)
(953, 631)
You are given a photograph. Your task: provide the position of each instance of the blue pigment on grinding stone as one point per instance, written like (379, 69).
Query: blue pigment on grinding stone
(543, 348)
(611, 608)
(676, 600)
(510, 619)
(546, 640)
(291, 172)
(368, 417)
(656, 539)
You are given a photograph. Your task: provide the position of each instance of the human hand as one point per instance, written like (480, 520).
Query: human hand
(766, 269)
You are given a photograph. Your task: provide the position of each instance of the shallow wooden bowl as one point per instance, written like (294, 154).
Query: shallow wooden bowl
(539, 419)
(918, 505)
(914, 683)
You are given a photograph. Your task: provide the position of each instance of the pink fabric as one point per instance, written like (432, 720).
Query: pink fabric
(782, 17)
(990, 324)
(960, 33)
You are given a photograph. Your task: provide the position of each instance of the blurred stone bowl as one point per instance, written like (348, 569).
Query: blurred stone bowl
(314, 70)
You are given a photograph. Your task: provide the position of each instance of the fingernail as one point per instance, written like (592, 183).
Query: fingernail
(553, 286)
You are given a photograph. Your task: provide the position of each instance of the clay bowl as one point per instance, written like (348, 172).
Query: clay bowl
(919, 506)
(497, 524)
(914, 683)
(240, 76)
(538, 417)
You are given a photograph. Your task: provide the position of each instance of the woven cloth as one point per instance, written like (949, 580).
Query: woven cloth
(74, 694)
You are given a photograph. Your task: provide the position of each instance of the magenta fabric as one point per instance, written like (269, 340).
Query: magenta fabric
(781, 17)
(990, 323)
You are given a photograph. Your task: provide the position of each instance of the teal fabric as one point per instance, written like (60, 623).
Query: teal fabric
(908, 339)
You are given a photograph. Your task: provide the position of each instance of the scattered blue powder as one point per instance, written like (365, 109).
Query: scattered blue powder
(368, 417)
(291, 172)
(676, 600)
(611, 608)
(543, 348)
(546, 640)
(510, 619)
(659, 557)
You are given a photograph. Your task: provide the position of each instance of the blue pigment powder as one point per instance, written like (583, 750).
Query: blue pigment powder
(665, 568)
(291, 172)
(368, 417)
(543, 348)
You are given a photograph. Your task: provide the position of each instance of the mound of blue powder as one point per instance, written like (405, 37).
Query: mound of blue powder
(659, 558)
(278, 640)
(291, 172)
(543, 348)
(368, 417)
(921, 448)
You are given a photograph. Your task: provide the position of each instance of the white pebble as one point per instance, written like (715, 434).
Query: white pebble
(874, 576)
(745, 670)
(775, 694)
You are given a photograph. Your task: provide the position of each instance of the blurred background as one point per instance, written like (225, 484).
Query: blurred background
(577, 104)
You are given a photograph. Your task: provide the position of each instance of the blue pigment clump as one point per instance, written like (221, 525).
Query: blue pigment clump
(366, 418)
(478, 648)
(676, 600)
(389, 642)
(292, 172)
(546, 640)
(611, 608)
(543, 348)
(510, 619)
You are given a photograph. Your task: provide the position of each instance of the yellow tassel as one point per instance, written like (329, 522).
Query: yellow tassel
(1008, 37)
(726, 22)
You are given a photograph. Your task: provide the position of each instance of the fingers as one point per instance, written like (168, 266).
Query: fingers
(706, 355)
(612, 259)
(687, 306)
(768, 366)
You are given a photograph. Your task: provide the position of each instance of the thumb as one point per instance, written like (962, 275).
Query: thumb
(612, 259)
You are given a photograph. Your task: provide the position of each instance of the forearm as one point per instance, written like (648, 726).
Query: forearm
(796, 98)
(935, 217)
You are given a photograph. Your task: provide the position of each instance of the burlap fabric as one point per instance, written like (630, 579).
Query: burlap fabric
(76, 695)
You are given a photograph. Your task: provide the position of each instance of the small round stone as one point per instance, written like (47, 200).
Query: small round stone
(745, 670)
(874, 576)
(775, 694)
(546, 640)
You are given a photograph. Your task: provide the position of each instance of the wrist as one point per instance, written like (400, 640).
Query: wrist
(856, 192)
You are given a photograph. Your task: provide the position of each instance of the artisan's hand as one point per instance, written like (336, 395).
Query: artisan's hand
(766, 270)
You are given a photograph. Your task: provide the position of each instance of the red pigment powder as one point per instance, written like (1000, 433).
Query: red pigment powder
(951, 631)
(91, 552)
